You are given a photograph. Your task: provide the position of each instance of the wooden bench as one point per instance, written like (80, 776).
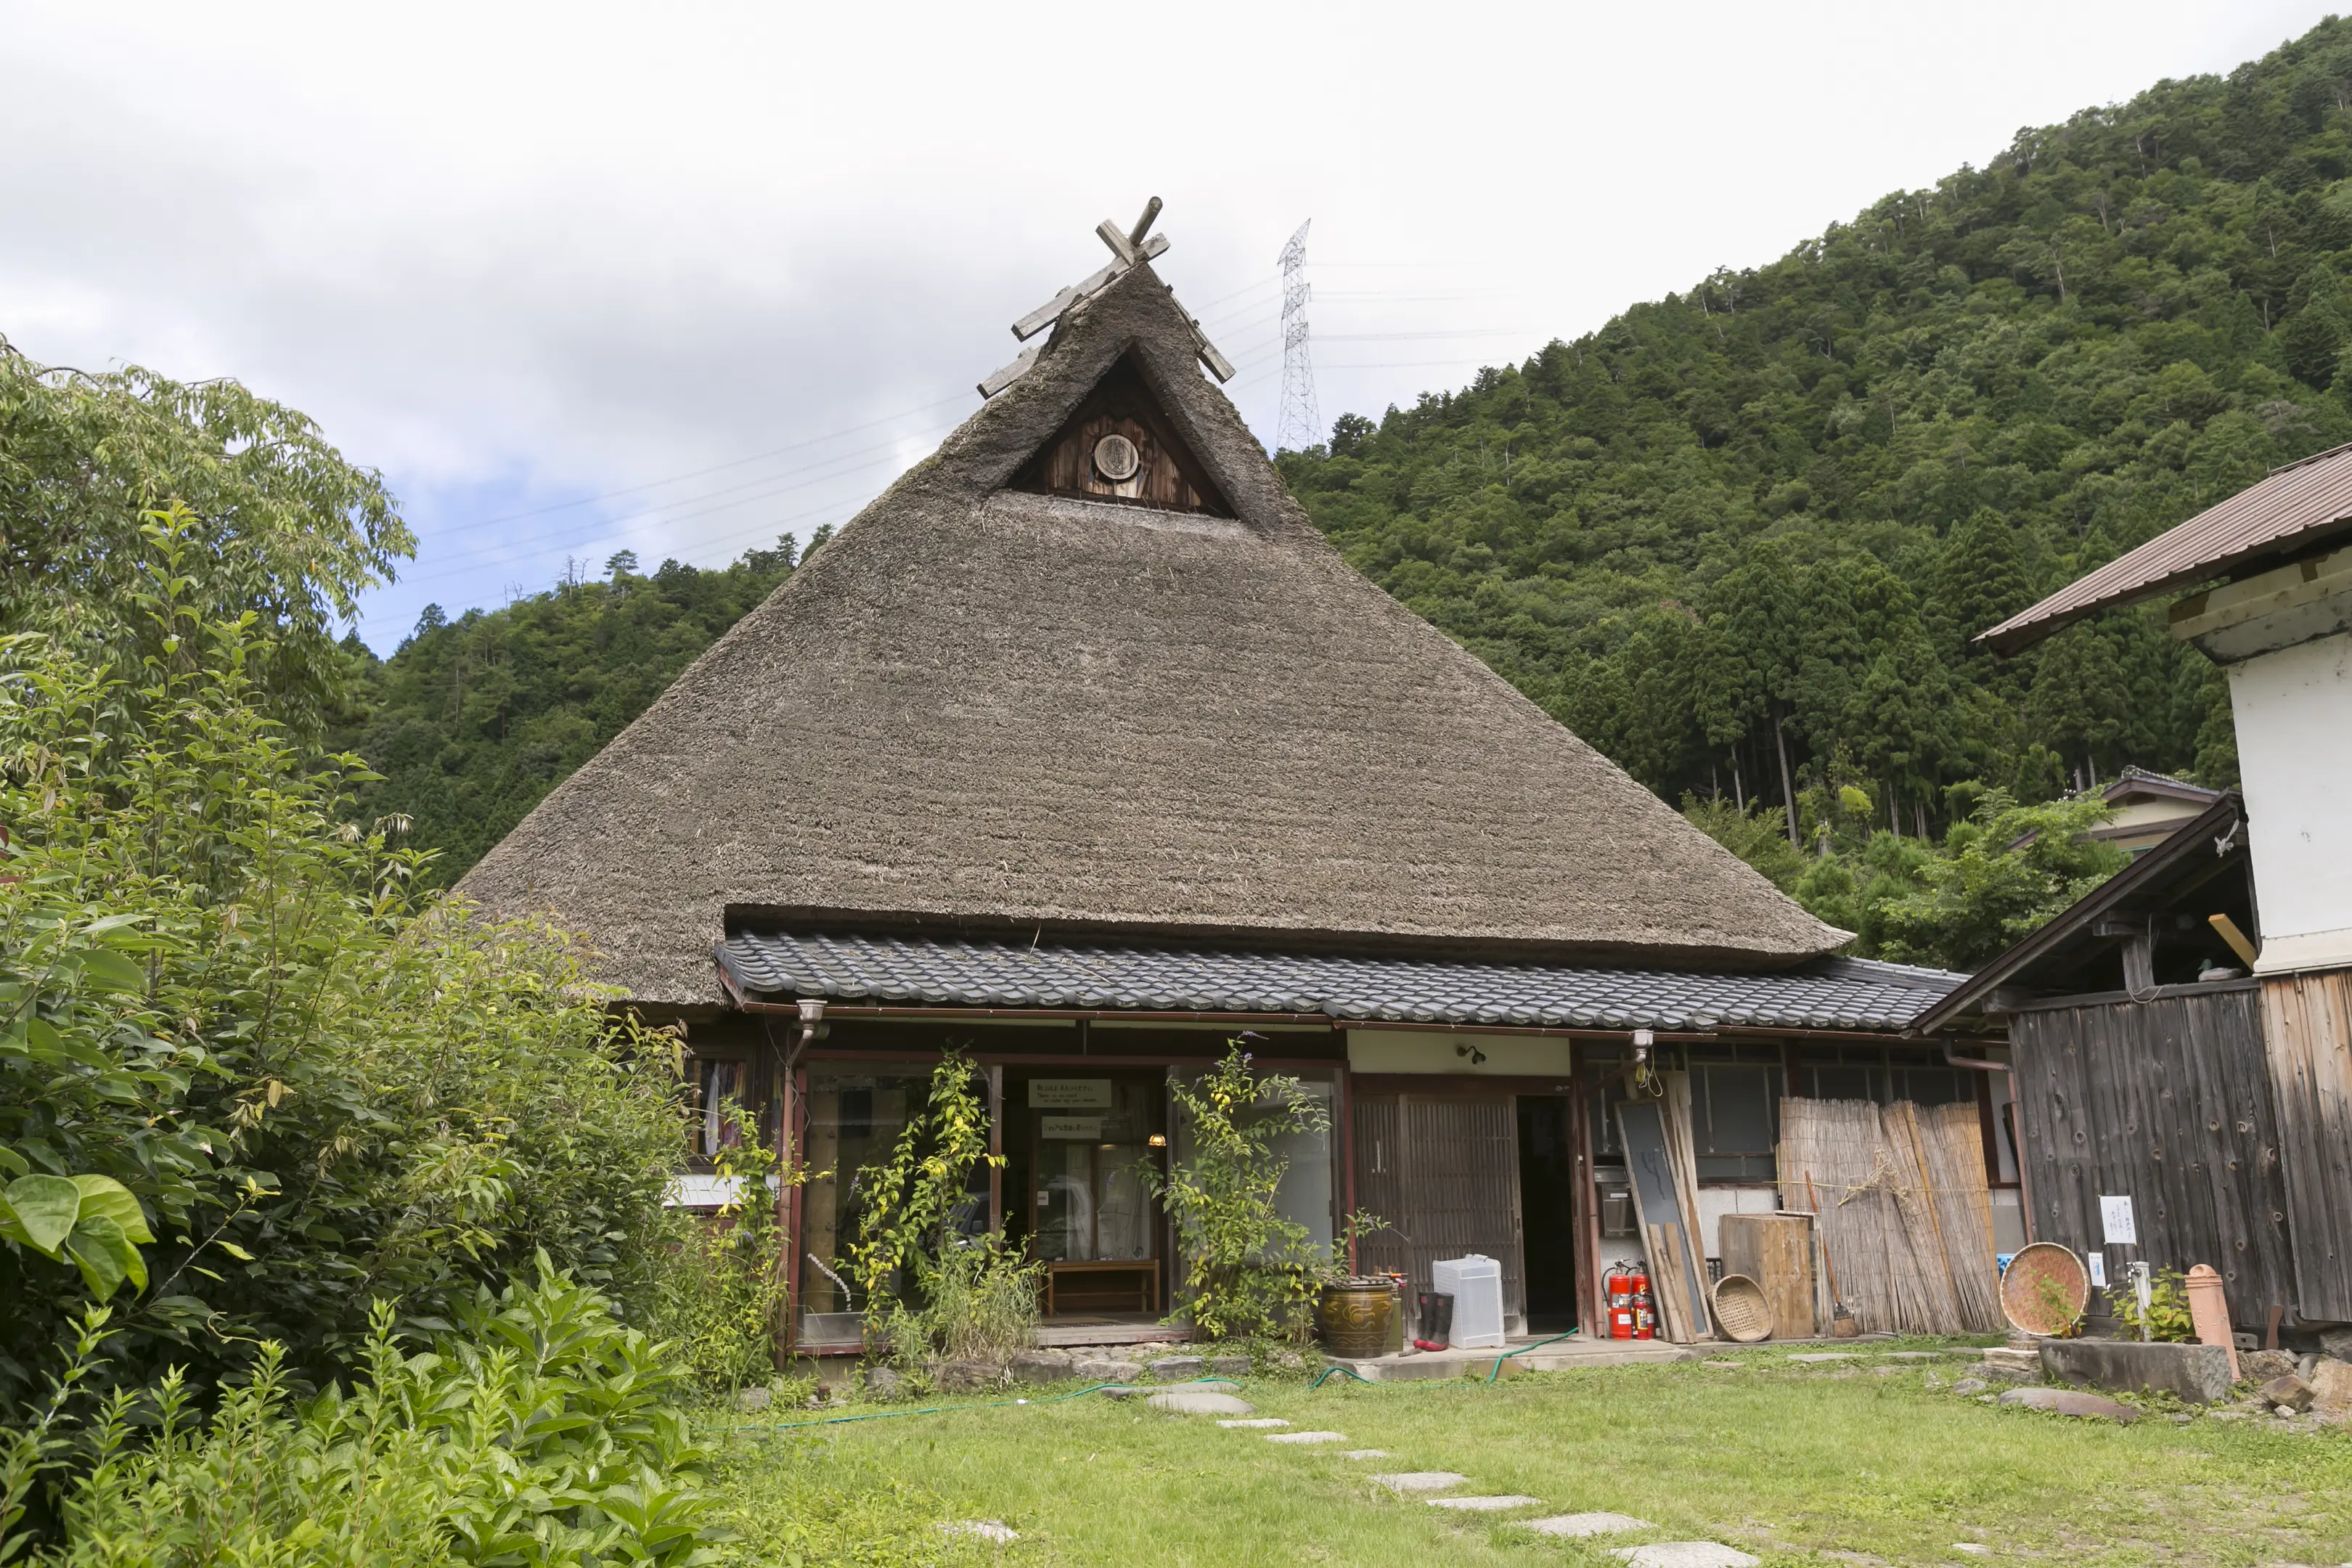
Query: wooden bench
(1141, 1276)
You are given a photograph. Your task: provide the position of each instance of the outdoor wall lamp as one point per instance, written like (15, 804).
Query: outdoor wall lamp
(1158, 1140)
(1472, 1052)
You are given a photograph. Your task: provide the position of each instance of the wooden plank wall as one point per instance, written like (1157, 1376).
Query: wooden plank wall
(1444, 1172)
(2168, 1101)
(2307, 1033)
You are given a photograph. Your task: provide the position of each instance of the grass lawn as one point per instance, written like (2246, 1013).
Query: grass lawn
(1792, 1463)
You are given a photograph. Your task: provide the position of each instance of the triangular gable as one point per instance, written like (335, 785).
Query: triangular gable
(1121, 446)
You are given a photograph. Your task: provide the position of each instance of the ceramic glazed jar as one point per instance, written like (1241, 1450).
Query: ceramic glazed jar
(1353, 1316)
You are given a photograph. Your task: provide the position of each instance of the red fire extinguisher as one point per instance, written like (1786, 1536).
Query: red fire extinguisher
(1619, 1284)
(1646, 1316)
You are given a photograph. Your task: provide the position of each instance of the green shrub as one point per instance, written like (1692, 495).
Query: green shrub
(538, 1430)
(719, 1299)
(2168, 1316)
(314, 1087)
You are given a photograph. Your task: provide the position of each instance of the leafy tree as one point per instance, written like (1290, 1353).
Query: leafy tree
(2002, 873)
(293, 533)
(936, 1281)
(315, 1089)
(1998, 874)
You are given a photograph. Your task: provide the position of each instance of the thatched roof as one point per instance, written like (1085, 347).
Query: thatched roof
(981, 709)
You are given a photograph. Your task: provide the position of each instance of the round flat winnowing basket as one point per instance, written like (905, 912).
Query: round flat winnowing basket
(1740, 1310)
(2044, 1289)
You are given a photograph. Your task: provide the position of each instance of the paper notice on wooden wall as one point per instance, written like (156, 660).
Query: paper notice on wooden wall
(2098, 1261)
(2115, 1220)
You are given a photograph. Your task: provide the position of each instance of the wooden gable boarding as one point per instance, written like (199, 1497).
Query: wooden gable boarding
(1121, 447)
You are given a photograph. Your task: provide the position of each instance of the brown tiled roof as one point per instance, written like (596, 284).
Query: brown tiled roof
(2297, 506)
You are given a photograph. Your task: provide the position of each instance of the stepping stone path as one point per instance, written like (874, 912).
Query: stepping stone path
(1204, 1385)
(1581, 1524)
(1913, 1355)
(1406, 1483)
(1685, 1554)
(1256, 1421)
(1200, 1402)
(994, 1530)
(1816, 1358)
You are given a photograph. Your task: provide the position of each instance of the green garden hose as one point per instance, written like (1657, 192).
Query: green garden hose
(1336, 1367)
(1525, 1349)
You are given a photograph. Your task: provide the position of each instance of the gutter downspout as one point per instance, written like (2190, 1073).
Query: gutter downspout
(788, 1189)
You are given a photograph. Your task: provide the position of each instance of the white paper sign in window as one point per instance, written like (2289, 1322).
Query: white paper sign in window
(1069, 1094)
(2116, 1221)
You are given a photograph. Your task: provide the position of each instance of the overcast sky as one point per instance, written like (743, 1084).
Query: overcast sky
(679, 279)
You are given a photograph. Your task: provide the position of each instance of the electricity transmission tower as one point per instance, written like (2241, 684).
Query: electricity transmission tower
(1300, 424)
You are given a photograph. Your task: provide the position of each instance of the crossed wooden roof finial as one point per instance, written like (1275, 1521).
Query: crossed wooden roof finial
(1128, 248)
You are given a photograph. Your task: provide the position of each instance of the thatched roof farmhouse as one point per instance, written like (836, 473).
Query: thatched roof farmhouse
(1081, 750)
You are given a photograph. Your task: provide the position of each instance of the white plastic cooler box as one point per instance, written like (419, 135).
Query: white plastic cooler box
(1476, 1283)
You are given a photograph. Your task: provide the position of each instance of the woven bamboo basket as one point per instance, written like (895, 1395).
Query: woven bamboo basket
(1740, 1310)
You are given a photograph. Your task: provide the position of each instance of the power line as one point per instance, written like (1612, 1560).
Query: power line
(481, 559)
(716, 467)
(842, 464)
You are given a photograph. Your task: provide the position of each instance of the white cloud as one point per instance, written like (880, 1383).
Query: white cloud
(516, 257)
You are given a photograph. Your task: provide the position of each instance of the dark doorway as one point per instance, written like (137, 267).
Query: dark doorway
(1547, 1213)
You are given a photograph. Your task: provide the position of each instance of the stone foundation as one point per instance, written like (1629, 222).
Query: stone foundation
(2198, 1373)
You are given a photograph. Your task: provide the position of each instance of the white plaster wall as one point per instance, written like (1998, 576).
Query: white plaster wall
(1508, 1055)
(2293, 709)
(2008, 1220)
(1714, 1203)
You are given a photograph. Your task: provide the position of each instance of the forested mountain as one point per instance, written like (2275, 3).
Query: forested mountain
(1741, 534)
(471, 721)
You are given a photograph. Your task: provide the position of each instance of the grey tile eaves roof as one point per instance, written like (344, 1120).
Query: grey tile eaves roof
(1826, 994)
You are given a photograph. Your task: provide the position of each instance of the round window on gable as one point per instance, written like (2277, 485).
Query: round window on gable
(1116, 459)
